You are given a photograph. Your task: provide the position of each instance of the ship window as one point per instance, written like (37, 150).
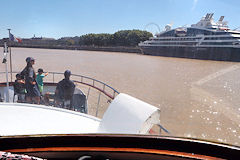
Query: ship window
(219, 38)
(217, 43)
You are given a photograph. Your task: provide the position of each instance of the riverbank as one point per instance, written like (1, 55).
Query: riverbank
(88, 48)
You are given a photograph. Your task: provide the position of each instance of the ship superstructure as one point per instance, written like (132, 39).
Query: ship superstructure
(204, 40)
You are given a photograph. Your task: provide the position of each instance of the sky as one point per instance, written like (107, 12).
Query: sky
(64, 18)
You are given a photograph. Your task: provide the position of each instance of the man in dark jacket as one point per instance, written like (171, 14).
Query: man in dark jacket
(33, 93)
(64, 91)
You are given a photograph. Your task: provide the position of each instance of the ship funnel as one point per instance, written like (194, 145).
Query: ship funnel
(221, 19)
(209, 16)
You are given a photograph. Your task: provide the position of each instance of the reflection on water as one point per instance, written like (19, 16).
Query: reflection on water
(197, 98)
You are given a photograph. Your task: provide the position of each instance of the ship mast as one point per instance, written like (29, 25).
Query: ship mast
(5, 51)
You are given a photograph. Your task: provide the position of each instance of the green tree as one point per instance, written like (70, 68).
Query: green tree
(120, 38)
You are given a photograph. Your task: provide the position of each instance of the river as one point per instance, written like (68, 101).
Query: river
(197, 98)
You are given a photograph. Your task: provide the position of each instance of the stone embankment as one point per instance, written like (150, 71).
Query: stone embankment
(89, 48)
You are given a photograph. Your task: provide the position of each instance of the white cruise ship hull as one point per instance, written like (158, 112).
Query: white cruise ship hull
(194, 52)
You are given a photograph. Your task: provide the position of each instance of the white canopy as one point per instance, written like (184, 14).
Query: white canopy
(129, 115)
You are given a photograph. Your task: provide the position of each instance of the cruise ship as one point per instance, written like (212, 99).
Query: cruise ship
(207, 40)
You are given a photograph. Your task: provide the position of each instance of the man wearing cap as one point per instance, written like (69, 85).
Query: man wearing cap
(64, 91)
(33, 94)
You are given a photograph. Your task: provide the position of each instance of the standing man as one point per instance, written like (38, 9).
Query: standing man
(64, 91)
(33, 94)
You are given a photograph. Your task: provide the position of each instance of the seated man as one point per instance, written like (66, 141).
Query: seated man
(1, 100)
(19, 88)
(64, 91)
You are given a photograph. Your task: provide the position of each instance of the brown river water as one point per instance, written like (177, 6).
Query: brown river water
(197, 98)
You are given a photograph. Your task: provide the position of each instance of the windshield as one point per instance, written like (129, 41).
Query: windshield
(175, 55)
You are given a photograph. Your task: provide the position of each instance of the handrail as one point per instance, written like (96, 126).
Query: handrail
(103, 89)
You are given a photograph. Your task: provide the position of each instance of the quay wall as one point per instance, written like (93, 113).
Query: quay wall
(89, 48)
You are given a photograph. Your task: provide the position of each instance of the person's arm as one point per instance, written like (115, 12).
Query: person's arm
(73, 89)
(23, 73)
(21, 81)
(58, 90)
(46, 74)
(31, 76)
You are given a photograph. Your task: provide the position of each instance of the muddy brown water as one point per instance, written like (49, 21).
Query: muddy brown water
(197, 98)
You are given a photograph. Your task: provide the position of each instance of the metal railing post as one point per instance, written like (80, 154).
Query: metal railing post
(104, 87)
(113, 94)
(88, 92)
(99, 96)
(162, 128)
(53, 77)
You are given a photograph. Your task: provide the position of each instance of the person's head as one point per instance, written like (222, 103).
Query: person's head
(18, 76)
(67, 74)
(40, 71)
(30, 60)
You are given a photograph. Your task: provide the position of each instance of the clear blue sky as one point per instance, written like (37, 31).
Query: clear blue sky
(60, 18)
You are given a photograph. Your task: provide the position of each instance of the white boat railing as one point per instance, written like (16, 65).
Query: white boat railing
(100, 87)
(92, 83)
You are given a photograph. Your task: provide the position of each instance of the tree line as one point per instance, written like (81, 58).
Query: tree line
(120, 38)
